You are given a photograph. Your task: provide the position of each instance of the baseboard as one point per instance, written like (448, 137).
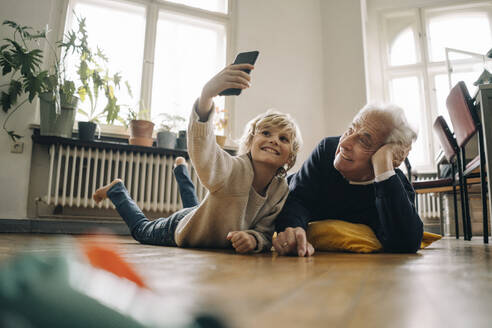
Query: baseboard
(62, 226)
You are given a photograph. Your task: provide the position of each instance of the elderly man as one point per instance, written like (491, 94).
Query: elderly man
(354, 178)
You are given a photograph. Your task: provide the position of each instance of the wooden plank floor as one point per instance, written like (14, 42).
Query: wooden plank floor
(448, 284)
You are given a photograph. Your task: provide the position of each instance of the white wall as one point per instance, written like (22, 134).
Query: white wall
(14, 168)
(288, 75)
(344, 87)
(311, 64)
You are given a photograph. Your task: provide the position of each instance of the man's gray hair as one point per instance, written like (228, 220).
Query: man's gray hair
(402, 133)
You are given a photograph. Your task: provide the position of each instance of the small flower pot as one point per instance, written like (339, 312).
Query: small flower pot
(141, 133)
(137, 141)
(87, 130)
(221, 140)
(166, 139)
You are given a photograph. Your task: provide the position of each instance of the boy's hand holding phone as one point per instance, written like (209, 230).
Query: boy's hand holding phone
(242, 58)
(228, 82)
(232, 76)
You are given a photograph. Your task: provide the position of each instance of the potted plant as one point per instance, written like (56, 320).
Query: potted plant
(20, 62)
(220, 124)
(166, 135)
(181, 141)
(139, 126)
(94, 79)
(57, 111)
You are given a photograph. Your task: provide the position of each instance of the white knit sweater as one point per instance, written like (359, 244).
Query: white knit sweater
(231, 203)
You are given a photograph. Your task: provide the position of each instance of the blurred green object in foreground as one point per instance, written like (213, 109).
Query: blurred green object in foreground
(35, 292)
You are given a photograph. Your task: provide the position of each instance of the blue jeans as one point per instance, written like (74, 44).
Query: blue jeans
(160, 231)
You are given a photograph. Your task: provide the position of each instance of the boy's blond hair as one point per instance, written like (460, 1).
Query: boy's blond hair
(275, 119)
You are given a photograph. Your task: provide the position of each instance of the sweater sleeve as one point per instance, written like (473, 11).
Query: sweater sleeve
(264, 228)
(400, 229)
(212, 164)
(305, 188)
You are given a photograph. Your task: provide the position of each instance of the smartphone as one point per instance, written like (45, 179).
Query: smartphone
(242, 58)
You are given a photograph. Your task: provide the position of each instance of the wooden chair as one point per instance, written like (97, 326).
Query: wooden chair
(466, 124)
(450, 148)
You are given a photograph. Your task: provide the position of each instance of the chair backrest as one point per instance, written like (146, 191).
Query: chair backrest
(462, 113)
(409, 169)
(448, 143)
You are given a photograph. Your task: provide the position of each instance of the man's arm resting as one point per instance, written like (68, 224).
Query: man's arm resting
(400, 229)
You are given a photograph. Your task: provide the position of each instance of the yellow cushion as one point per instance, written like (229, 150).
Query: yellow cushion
(428, 238)
(336, 235)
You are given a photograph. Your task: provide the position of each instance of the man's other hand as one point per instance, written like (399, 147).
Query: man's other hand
(293, 241)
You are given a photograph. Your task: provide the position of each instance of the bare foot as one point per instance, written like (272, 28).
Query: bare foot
(180, 161)
(102, 193)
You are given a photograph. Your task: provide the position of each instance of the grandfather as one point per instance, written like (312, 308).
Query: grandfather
(355, 178)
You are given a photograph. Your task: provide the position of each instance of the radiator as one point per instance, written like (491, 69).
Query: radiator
(429, 205)
(76, 172)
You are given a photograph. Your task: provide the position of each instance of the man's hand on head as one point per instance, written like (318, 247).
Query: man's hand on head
(382, 160)
(293, 241)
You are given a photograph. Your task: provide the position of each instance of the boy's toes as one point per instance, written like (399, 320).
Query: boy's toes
(179, 161)
(102, 193)
(98, 195)
(115, 181)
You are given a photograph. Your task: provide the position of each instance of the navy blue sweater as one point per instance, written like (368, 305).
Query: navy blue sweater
(318, 192)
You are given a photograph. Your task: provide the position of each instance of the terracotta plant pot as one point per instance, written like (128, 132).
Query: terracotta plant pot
(141, 133)
(137, 141)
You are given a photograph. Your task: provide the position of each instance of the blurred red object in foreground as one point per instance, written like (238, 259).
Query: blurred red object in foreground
(102, 254)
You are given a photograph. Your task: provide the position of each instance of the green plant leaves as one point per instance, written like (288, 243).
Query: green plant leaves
(21, 59)
(83, 71)
(24, 31)
(31, 61)
(33, 84)
(171, 122)
(16, 58)
(117, 79)
(83, 112)
(5, 101)
(68, 90)
(129, 89)
(94, 76)
(5, 61)
(15, 90)
(82, 92)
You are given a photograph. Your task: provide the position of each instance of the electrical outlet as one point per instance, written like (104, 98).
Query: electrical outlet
(17, 147)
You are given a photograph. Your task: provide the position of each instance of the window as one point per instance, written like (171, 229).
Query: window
(186, 56)
(127, 23)
(166, 50)
(220, 6)
(415, 72)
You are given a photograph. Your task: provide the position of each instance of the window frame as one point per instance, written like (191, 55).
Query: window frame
(425, 69)
(152, 8)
